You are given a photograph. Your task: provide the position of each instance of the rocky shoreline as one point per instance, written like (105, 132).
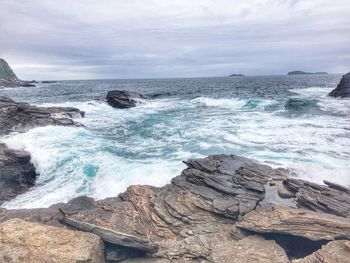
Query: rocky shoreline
(222, 208)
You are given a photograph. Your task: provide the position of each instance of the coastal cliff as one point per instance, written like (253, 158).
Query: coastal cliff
(9, 79)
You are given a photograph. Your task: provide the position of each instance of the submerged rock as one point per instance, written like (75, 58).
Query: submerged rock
(17, 173)
(124, 99)
(27, 242)
(343, 88)
(20, 116)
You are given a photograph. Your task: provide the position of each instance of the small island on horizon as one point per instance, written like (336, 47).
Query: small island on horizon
(299, 72)
(236, 75)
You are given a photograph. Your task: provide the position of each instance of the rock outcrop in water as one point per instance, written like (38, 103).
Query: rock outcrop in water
(20, 116)
(17, 174)
(9, 79)
(222, 208)
(343, 88)
(123, 99)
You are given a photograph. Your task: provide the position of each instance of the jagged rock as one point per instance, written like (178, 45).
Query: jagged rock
(254, 249)
(185, 219)
(334, 252)
(52, 215)
(124, 99)
(17, 173)
(297, 222)
(330, 198)
(343, 88)
(20, 116)
(27, 242)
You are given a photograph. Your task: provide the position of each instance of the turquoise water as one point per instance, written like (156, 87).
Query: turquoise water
(284, 121)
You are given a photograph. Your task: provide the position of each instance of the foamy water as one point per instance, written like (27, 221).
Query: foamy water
(146, 144)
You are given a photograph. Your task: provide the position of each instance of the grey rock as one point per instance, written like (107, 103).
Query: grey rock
(343, 88)
(124, 99)
(20, 116)
(330, 198)
(17, 173)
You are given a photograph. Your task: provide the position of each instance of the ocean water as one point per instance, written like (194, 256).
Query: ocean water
(283, 121)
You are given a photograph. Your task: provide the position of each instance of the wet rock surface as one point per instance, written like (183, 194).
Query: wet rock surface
(27, 242)
(223, 208)
(123, 99)
(17, 173)
(343, 88)
(20, 116)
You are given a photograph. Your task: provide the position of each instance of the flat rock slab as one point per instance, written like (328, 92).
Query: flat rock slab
(343, 88)
(123, 99)
(254, 249)
(334, 252)
(27, 242)
(297, 222)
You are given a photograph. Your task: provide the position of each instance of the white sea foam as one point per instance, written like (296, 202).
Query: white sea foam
(146, 144)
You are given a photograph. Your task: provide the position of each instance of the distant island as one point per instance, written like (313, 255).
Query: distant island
(237, 75)
(299, 72)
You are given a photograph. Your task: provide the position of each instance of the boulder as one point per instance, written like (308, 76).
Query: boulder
(334, 252)
(297, 222)
(17, 173)
(123, 99)
(343, 88)
(27, 242)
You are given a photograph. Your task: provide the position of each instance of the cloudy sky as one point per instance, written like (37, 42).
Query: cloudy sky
(88, 39)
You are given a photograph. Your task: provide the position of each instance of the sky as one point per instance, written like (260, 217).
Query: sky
(111, 39)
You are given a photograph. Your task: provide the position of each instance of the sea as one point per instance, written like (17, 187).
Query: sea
(282, 121)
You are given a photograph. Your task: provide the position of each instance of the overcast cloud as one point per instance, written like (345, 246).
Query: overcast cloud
(88, 39)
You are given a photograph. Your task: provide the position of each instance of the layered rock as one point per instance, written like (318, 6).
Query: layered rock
(124, 99)
(330, 198)
(297, 222)
(27, 242)
(183, 220)
(20, 116)
(333, 252)
(343, 88)
(222, 208)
